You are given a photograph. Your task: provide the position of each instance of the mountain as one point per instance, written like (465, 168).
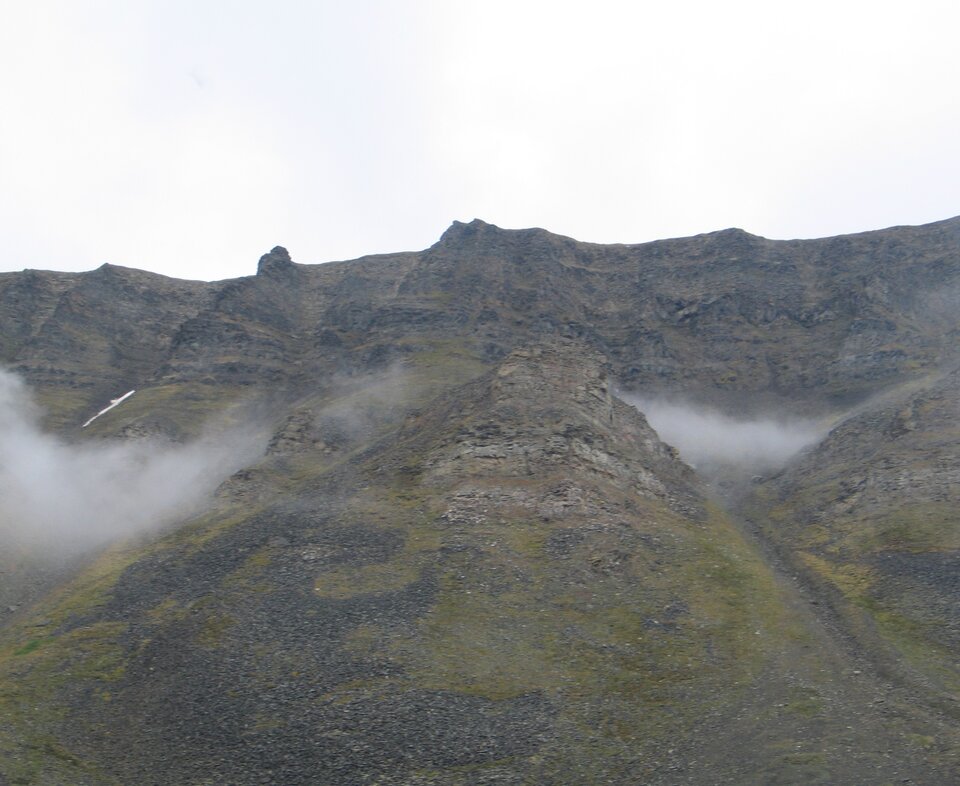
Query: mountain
(434, 543)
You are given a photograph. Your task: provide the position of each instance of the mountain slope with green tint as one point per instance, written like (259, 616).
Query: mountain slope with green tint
(463, 560)
(871, 515)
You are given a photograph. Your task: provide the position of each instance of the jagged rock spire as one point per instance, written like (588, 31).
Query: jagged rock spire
(276, 261)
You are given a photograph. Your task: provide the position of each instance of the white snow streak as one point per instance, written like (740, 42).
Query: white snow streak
(113, 403)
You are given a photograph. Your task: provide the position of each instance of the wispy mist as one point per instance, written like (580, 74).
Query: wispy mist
(707, 438)
(70, 497)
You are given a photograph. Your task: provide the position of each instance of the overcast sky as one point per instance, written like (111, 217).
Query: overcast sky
(190, 137)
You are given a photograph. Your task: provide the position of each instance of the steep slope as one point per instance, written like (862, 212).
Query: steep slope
(80, 338)
(816, 319)
(820, 322)
(463, 560)
(517, 583)
(871, 516)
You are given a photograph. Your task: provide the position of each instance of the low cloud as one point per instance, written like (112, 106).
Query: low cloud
(66, 498)
(708, 439)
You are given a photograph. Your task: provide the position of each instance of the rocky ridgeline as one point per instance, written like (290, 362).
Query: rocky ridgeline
(818, 321)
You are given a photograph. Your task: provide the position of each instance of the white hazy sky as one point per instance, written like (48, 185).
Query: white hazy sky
(190, 137)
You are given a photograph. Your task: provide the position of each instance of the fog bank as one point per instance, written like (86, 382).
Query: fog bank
(70, 497)
(707, 438)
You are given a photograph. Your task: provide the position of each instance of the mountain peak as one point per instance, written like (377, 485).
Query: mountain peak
(733, 233)
(275, 261)
(459, 231)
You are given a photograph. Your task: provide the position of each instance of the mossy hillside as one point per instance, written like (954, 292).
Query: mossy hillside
(180, 411)
(9, 346)
(901, 618)
(906, 525)
(500, 629)
(436, 363)
(635, 622)
(356, 417)
(914, 635)
(641, 634)
(378, 399)
(373, 406)
(105, 643)
(868, 515)
(184, 410)
(905, 622)
(69, 649)
(190, 407)
(47, 664)
(418, 553)
(64, 409)
(614, 618)
(909, 527)
(541, 606)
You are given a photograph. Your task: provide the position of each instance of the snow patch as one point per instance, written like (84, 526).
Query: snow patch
(113, 403)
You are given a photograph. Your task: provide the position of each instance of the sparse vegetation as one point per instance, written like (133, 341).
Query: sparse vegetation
(463, 561)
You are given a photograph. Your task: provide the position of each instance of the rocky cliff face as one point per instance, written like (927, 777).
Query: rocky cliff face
(462, 559)
(817, 321)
